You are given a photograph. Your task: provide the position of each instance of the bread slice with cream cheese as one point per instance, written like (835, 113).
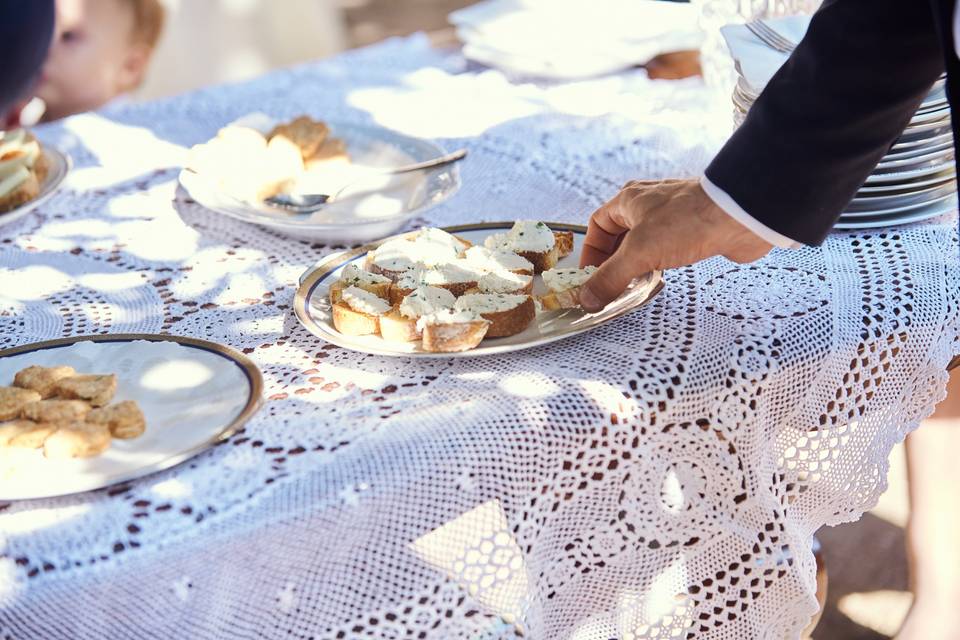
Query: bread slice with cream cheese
(400, 324)
(508, 314)
(564, 287)
(358, 312)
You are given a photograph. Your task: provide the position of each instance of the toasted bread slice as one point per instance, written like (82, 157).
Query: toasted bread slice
(566, 299)
(27, 189)
(564, 243)
(401, 323)
(13, 400)
(449, 332)
(354, 323)
(396, 328)
(354, 276)
(564, 287)
(358, 312)
(542, 260)
(508, 314)
(98, 390)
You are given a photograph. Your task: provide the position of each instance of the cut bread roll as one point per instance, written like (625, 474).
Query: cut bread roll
(400, 324)
(508, 314)
(564, 287)
(452, 331)
(354, 276)
(358, 312)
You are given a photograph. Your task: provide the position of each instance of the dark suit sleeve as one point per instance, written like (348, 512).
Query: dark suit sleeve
(830, 114)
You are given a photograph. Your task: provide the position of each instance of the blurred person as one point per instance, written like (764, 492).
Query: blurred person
(101, 50)
(26, 27)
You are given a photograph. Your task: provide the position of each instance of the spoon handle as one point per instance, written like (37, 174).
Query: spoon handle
(449, 158)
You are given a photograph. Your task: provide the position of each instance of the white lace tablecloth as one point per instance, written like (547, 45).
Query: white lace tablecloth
(658, 478)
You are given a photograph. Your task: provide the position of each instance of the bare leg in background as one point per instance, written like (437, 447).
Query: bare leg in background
(933, 532)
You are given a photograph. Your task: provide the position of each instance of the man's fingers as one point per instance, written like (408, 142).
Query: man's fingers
(603, 235)
(613, 276)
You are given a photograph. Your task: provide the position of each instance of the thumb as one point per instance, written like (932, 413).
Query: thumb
(613, 277)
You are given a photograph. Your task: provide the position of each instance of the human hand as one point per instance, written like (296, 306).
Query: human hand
(654, 225)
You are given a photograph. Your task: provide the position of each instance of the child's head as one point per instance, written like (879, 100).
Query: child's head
(100, 50)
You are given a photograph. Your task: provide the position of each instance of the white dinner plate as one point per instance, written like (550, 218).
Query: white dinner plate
(374, 211)
(929, 169)
(193, 394)
(933, 140)
(905, 186)
(918, 151)
(894, 220)
(895, 199)
(920, 159)
(873, 211)
(59, 166)
(312, 304)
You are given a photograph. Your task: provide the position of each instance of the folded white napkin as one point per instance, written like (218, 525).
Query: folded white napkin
(756, 61)
(573, 39)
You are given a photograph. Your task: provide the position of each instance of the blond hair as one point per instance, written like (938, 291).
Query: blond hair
(148, 19)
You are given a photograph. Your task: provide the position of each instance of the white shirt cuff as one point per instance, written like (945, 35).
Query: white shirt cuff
(723, 200)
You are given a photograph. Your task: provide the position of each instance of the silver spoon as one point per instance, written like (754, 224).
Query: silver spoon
(311, 202)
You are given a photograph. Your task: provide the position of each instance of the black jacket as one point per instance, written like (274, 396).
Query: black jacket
(833, 110)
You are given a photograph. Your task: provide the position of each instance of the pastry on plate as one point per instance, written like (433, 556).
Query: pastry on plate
(77, 440)
(358, 312)
(43, 380)
(564, 287)
(124, 419)
(56, 411)
(305, 132)
(96, 389)
(12, 401)
(508, 314)
(25, 434)
(400, 324)
(354, 276)
(450, 331)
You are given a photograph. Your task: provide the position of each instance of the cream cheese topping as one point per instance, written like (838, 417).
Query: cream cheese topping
(365, 302)
(354, 276)
(435, 240)
(497, 259)
(530, 235)
(503, 282)
(449, 316)
(424, 301)
(563, 279)
(489, 302)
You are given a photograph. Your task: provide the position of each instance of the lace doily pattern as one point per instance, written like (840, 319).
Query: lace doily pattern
(660, 477)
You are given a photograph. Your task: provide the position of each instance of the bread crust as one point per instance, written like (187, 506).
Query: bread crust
(563, 240)
(354, 323)
(512, 321)
(452, 338)
(24, 193)
(566, 299)
(396, 328)
(542, 260)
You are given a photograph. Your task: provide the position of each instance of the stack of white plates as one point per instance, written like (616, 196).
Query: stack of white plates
(914, 181)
